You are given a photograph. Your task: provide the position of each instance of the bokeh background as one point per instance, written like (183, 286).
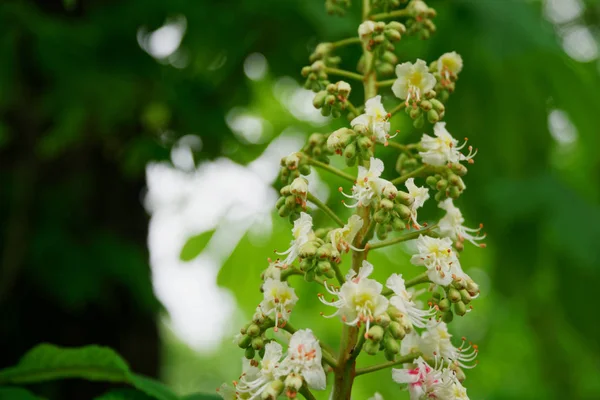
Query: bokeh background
(139, 150)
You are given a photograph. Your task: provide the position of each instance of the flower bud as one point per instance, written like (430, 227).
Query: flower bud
(317, 66)
(454, 192)
(273, 390)
(444, 304)
(390, 57)
(460, 308)
(419, 122)
(378, 39)
(381, 231)
(441, 185)
(371, 347)
(433, 116)
(380, 216)
(397, 26)
(249, 353)
(459, 169)
(472, 287)
(244, 341)
(398, 224)
(319, 99)
(402, 210)
(299, 187)
(396, 330)
(392, 35)
(375, 333)
(350, 151)
(415, 113)
(253, 330)
(294, 382)
(309, 250)
(437, 105)
(453, 295)
(447, 317)
(385, 68)
(460, 375)
(389, 191)
(391, 345)
(386, 204)
(404, 198)
(431, 181)
(426, 105)
(258, 343)
(343, 88)
(383, 320)
(465, 296)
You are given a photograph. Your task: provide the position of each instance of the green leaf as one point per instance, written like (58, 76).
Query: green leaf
(153, 388)
(47, 362)
(16, 393)
(124, 394)
(194, 246)
(201, 396)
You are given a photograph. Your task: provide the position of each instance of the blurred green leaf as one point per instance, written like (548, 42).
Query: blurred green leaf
(16, 393)
(194, 246)
(124, 394)
(47, 362)
(201, 396)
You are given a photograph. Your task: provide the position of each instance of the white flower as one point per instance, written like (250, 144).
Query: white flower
(443, 148)
(451, 225)
(423, 381)
(299, 187)
(227, 392)
(342, 238)
(365, 30)
(359, 298)
(343, 88)
(419, 196)
(278, 301)
(374, 120)
(458, 391)
(303, 233)
(410, 344)
(450, 64)
(413, 81)
(402, 300)
(376, 396)
(439, 259)
(304, 358)
(254, 381)
(435, 344)
(368, 183)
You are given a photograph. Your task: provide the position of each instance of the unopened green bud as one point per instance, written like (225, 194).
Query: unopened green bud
(458, 372)
(386, 204)
(444, 304)
(404, 198)
(392, 35)
(433, 116)
(402, 210)
(437, 105)
(431, 181)
(396, 330)
(272, 391)
(378, 39)
(465, 296)
(426, 105)
(382, 232)
(310, 275)
(326, 110)
(442, 184)
(305, 71)
(383, 320)
(335, 113)
(350, 151)
(380, 216)
(319, 99)
(253, 330)
(330, 99)
(453, 295)
(398, 224)
(309, 250)
(364, 142)
(437, 296)
(293, 381)
(459, 169)
(454, 192)
(375, 333)
(447, 317)
(371, 347)
(249, 353)
(385, 68)
(415, 113)
(460, 308)
(397, 26)
(283, 211)
(391, 345)
(390, 58)
(258, 343)
(244, 341)
(425, 35)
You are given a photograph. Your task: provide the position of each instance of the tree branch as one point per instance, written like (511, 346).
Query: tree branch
(310, 197)
(402, 238)
(402, 360)
(344, 73)
(329, 168)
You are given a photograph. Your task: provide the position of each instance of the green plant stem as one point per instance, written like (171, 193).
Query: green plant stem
(329, 168)
(289, 272)
(310, 197)
(359, 345)
(402, 360)
(344, 73)
(390, 15)
(345, 42)
(387, 82)
(402, 147)
(351, 107)
(306, 393)
(399, 107)
(338, 273)
(417, 172)
(402, 238)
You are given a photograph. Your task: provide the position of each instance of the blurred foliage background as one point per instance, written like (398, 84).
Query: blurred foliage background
(97, 96)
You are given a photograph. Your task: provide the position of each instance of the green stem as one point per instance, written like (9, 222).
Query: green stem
(306, 393)
(344, 73)
(417, 172)
(421, 278)
(351, 107)
(310, 197)
(403, 147)
(345, 42)
(388, 82)
(402, 360)
(391, 14)
(399, 107)
(359, 345)
(329, 168)
(338, 273)
(402, 238)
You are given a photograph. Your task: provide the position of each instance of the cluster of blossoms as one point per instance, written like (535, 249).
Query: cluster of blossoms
(388, 315)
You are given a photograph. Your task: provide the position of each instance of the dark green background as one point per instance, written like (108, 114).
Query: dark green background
(82, 108)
